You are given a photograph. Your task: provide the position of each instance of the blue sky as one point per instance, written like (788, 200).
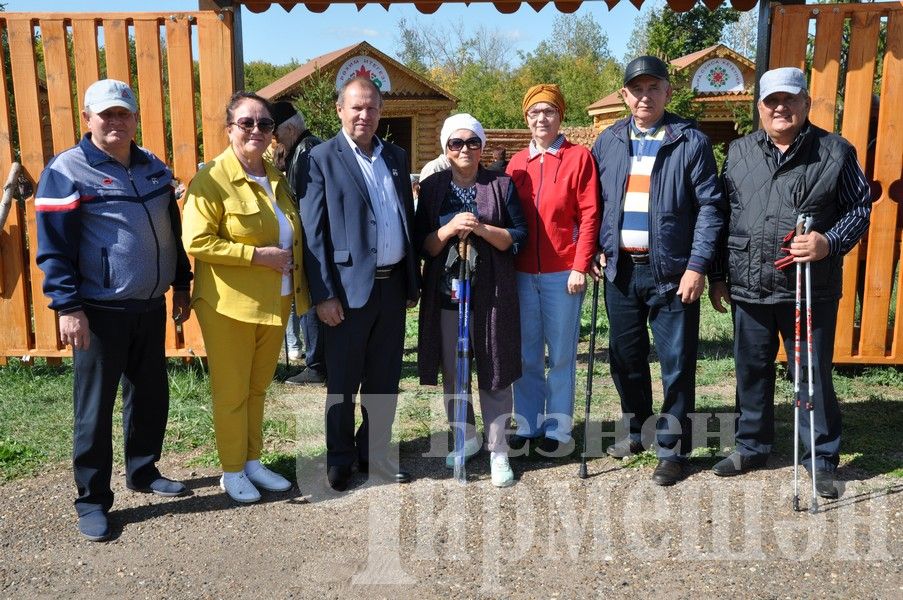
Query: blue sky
(277, 36)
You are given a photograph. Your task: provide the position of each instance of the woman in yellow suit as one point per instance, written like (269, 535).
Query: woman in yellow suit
(242, 229)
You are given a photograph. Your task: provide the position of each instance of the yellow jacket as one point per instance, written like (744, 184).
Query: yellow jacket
(226, 215)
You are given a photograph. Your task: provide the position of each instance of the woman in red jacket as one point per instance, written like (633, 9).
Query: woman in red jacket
(556, 182)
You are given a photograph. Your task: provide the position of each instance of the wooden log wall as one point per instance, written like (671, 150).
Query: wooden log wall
(58, 56)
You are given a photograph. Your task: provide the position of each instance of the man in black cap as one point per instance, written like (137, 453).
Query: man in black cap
(293, 144)
(662, 213)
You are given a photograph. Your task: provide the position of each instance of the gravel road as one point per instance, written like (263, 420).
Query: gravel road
(550, 536)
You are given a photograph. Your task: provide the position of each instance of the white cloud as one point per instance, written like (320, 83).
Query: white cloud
(355, 32)
(515, 35)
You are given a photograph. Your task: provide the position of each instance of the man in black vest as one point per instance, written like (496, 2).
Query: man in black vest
(788, 168)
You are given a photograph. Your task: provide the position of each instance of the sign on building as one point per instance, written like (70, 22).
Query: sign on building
(364, 66)
(718, 75)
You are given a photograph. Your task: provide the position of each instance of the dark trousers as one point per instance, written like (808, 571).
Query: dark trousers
(314, 341)
(632, 301)
(363, 353)
(756, 328)
(127, 347)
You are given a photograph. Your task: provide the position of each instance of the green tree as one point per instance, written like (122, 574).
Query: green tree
(259, 73)
(577, 58)
(669, 35)
(316, 102)
(492, 96)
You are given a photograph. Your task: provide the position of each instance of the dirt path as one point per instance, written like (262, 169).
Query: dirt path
(550, 536)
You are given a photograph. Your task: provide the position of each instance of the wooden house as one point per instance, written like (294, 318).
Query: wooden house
(414, 107)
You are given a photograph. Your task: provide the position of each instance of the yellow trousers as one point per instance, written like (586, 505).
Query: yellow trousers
(242, 359)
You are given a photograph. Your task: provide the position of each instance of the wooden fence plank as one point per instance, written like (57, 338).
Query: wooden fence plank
(788, 42)
(883, 229)
(87, 69)
(184, 128)
(153, 133)
(181, 98)
(6, 137)
(150, 82)
(825, 67)
(855, 128)
(14, 304)
(28, 113)
(889, 154)
(116, 43)
(217, 85)
(59, 92)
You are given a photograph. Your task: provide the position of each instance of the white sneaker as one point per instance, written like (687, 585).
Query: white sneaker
(502, 475)
(239, 488)
(268, 480)
(471, 447)
(295, 355)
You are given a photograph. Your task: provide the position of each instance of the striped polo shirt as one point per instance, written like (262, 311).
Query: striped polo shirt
(644, 146)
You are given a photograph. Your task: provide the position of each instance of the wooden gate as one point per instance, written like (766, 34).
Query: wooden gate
(52, 59)
(843, 59)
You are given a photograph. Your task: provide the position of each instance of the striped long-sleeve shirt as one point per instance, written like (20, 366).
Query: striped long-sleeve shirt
(853, 195)
(644, 146)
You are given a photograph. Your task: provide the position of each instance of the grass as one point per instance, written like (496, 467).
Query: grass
(36, 409)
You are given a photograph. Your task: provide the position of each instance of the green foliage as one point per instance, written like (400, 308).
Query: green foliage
(682, 98)
(474, 67)
(720, 151)
(743, 118)
(494, 97)
(259, 73)
(671, 35)
(576, 57)
(316, 102)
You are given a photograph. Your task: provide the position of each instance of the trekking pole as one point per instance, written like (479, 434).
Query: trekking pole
(813, 507)
(582, 474)
(796, 377)
(285, 339)
(462, 363)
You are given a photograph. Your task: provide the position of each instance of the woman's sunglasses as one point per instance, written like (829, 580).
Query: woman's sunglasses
(455, 144)
(265, 125)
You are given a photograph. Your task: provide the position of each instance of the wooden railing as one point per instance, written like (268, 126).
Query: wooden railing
(869, 321)
(54, 58)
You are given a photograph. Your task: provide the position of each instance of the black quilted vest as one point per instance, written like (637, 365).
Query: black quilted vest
(764, 203)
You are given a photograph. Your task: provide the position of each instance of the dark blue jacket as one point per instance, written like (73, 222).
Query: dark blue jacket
(686, 203)
(340, 225)
(108, 235)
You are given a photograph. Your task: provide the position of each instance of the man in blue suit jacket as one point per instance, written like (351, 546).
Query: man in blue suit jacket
(361, 267)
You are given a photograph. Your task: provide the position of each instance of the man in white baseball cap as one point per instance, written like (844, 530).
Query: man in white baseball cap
(109, 244)
(787, 169)
(108, 93)
(785, 79)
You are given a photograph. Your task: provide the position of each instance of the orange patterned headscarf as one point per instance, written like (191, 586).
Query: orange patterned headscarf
(544, 92)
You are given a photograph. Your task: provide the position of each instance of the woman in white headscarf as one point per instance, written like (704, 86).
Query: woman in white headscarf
(468, 201)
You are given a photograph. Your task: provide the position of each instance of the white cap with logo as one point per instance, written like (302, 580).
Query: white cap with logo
(108, 93)
(785, 79)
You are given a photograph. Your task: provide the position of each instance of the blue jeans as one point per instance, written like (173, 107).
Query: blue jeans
(550, 318)
(293, 330)
(633, 300)
(311, 327)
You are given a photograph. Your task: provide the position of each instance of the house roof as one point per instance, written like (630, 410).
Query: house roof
(718, 50)
(685, 62)
(429, 7)
(287, 84)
